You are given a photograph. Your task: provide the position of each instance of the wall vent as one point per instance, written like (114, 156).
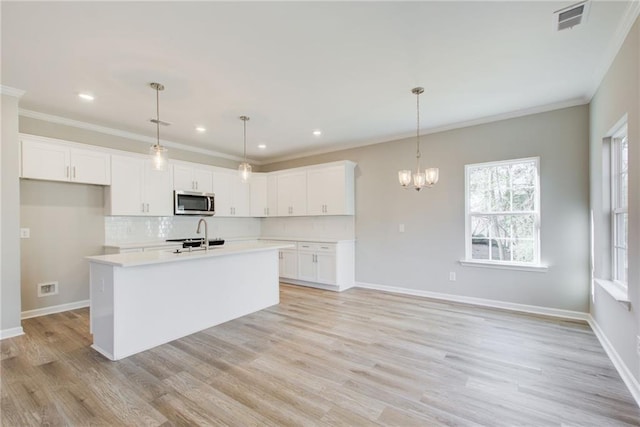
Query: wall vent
(46, 289)
(571, 16)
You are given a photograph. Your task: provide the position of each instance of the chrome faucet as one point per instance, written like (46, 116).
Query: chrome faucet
(206, 233)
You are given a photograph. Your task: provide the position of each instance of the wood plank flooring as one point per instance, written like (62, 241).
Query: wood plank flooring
(355, 358)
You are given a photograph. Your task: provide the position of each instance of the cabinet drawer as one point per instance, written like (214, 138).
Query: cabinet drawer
(317, 247)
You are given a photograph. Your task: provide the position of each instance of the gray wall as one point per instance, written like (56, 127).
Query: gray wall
(618, 94)
(10, 217)
(66, 223)
(433, 243)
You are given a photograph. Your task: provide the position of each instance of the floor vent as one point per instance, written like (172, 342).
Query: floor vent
(571, 16)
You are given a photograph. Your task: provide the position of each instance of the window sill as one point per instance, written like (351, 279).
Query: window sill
(539, 268)
(617, 292)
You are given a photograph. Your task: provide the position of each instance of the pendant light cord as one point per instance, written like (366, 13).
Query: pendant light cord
(158, 114)
(244, 122)
(418, 154)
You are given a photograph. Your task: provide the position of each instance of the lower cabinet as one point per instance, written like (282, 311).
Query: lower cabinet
(317, 264)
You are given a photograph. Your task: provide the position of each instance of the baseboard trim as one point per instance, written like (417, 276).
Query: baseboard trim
(523, 308)
(28, 314)
(10, 333)
(103, 352)
(632, 384)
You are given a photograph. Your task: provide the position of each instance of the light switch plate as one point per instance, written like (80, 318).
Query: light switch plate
(25, 233)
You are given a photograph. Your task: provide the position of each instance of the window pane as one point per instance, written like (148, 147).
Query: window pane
(522, 251)
(623, 190)
(480, 248)
(480, 226)
(523, 226)
(523, 174)
(624, 155)
(500, 192)
(621, 230)
(501, 250)
(523, 199)
(501, 226)
(622, 268)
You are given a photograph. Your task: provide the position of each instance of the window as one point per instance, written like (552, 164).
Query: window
(619, 200)
(503, 212)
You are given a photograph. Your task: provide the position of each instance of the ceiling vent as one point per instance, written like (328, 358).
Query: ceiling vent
(571, 16)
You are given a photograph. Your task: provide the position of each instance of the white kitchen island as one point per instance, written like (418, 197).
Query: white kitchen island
(143, 299)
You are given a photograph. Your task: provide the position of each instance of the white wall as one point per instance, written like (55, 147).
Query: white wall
(618, 94)
(433, 243)
(10, 220)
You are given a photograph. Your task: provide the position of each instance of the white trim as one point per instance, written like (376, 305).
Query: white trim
(626, 375)
(10, 333)
(10, 91)
(628, 19)
(504, 305)
(103, 352)
(54, 309)
(539, 268)
(617, 292)
(124, 134)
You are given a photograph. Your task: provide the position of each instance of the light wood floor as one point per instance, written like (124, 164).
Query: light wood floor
(355, 358)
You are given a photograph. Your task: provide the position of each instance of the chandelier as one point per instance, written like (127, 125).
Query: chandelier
(430, 175)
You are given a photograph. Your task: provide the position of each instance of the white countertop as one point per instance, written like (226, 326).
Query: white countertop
(134, 259)
(305, 239)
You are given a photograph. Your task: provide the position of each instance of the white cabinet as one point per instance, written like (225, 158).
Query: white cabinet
(288, 263)
(57, 161)
(330, 189)
(188, 177)
(292, 193)
(138, 189)
(317, 262)
(232, 195)
(263, 188)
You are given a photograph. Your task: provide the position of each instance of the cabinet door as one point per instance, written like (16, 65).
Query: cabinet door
(222, 189)
(326, 191)
(41, 160)
(307, 266)
(292, 194)
(183, 178)
(241, 196)
(326, 268)
(90, 167)
(258, 190)
(288, 264)
(272, 195)
(158, 190)
(127, 175)
(203, 180)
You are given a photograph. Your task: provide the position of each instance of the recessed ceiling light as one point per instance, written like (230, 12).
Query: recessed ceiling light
(262, 146)
(201, 128)
(317, 132)
(86, 96)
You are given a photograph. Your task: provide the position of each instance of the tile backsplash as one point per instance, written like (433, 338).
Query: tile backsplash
(328, 227)
(137, 229)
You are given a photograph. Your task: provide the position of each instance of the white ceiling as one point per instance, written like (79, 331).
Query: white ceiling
(346, 68)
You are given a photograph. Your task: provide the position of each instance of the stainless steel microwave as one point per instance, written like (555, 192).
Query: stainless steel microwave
(193, 203)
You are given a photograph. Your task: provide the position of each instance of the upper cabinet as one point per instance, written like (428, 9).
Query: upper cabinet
(292, 192)
(53, 160)
(231, 195)
(330, 189)
(263, 189)
(192, 177)
(137, 189)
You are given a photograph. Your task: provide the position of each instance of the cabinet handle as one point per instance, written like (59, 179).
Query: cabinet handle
(74, 172)
(142, 207)
(267, 211)
(196, 185)
(67, 173)
(147, 207)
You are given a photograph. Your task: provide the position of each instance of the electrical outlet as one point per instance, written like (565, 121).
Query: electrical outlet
(401, 228)
(452, 276)
(48, 288)
(25, 233)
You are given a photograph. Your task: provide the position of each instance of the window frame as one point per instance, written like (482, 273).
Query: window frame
(536, 264)
(616, 210)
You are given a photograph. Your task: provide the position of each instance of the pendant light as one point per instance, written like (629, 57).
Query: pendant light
(244, 170)
(159, 154)
(430, 175)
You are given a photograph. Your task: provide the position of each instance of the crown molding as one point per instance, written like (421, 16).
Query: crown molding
(457, 125)
(628, 19)
(6, 90)
(125, 134)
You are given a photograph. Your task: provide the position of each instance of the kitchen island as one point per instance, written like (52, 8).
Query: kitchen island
(143, 299)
